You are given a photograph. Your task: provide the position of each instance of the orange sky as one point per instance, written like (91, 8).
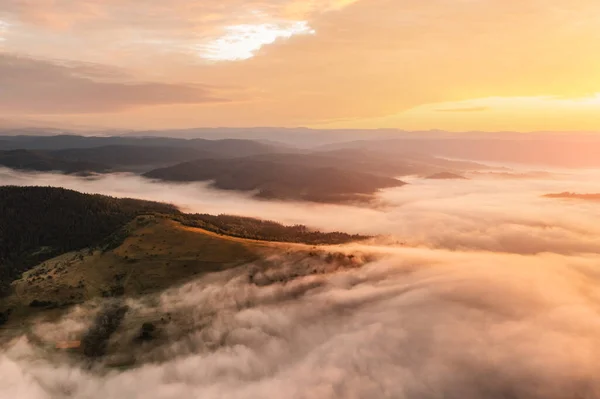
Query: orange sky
(412, 64)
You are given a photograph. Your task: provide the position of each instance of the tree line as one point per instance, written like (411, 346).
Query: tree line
(39, 223)
(264, 230)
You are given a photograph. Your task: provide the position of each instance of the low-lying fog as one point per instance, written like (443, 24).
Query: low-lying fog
(486, 212)
(483, 289)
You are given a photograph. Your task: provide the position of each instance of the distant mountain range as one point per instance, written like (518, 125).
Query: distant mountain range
(72, 154)
(335, 176)
(541, 148)
(270, 171)
(279, 180)
(553, 150)
(229, 147)
(44, 162)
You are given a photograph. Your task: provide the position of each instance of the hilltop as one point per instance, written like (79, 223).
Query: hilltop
(40, 223)
(155, 254)
(280, 180)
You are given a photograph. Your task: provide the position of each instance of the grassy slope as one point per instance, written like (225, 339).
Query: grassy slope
(157, 254)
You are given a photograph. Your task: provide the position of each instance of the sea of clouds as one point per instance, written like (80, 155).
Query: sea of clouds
(486, 212)
(480, 288)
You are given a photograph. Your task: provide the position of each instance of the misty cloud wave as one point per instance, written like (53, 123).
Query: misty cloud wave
(485, 213)
(416, 324)
(482, 289)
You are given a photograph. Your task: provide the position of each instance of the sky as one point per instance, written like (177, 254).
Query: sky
(456, 65)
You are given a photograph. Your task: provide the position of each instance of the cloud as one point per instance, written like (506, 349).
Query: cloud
(241, 42)
(44, 87)
(476, 294)
(415, 324)
(483, 213)
(4, 26)
(465, 109)
(536, 113)
(156, 15)
(375, 60)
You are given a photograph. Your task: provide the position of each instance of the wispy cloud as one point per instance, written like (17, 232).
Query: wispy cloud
(37, 86)
(369, 64)
(4, 26)
(465, 109)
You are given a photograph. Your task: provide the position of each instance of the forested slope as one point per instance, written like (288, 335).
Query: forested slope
(38, 223)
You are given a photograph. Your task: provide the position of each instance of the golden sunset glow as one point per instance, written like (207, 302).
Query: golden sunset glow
(304, 199)
(456, 65)
(241, 42)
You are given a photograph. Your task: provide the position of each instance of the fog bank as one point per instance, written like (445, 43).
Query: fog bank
(484, 213)
(478, 289)
(417, 324)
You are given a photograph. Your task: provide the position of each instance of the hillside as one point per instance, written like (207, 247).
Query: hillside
(43, 162)
(226, 147)
(157, 254)
(382, 163)
(79, 154)
(130, 157)
(280, 180)
(264, 230)
(39, 223)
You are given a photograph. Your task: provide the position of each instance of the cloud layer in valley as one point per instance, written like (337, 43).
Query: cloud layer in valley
(494, 294)
(416, 324)
(484, 213)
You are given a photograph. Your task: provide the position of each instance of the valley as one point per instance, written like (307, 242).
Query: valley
(202, 291)
(266, 170)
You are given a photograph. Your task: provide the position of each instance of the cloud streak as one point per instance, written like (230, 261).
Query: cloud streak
(484, 213)
(465, 109)
(63, 14)
(36, 86)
